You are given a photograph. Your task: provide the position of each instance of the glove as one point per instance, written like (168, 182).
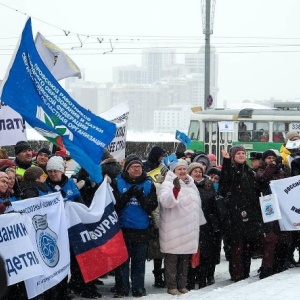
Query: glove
(163, 170)
(138, 192)
(130, 191)
(278, 161)
(6, 203)
(176, 183)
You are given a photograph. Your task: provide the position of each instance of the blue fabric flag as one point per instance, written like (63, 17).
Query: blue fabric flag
(168, 160)
(31, 90)
(183, 138)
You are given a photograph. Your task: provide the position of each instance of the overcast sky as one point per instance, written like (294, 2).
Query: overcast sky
(253, 72)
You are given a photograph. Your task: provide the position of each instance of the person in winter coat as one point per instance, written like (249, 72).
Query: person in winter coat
(136, 198)
(180, 219)
(204, 161)
(23, 160)
(284, 151)
(154, 248)
(209, 232)
(5, 200)
(243, 227)
(58, 181)
(276, 243)
(155, 157)
(33, 183)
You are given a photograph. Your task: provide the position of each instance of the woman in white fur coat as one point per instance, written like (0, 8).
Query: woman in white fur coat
(180, 218)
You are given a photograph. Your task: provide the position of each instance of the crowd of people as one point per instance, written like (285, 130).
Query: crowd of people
(180, 218)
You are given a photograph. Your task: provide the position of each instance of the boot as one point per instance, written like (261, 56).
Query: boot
(159, 278)
(265, 272)
(210, 280)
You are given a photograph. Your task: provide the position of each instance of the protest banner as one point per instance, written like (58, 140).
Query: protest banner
(119, 115)
(57, 61)
(287, 191)
(50, 238)
(30, 89)
(95, 234)
(17, 249)
(12, 126)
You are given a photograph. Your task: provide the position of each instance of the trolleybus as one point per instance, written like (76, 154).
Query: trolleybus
(257, 130)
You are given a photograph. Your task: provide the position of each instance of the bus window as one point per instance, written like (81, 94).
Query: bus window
(245, 129)
(264, 137)
(279, 128)
(194, 130)
(278, 137)
(242, 126)
(261, 132)
(244, 136)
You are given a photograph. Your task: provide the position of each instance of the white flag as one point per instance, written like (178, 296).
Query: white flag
(56, 60)
(225, 126)
(119, 115)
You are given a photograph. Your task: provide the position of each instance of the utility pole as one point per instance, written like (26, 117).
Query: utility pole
(208, 9)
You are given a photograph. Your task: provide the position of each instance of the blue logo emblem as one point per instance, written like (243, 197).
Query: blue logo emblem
(269, 211)
(46, 241)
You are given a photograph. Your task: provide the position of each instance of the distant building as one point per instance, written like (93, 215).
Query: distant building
(172, 118)
(129, 75)
(158, 92)
(155, 61)
(195, 63)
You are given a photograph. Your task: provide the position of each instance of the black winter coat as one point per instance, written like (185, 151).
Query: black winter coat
(209, 240)
(244, 213)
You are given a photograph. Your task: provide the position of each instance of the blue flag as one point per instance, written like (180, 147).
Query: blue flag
(183, 138)
(168, 160)
(31, 90)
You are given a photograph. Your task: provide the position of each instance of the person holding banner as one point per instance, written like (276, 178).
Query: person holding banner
(243, 224)
(275, 241)
(136, 198)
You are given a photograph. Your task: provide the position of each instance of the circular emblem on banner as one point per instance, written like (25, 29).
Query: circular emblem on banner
(269, 211)
(46, 241)
(209, 101)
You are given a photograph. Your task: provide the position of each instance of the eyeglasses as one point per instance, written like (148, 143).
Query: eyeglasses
(136, 167)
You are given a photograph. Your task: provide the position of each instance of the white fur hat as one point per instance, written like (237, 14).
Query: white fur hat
(56, 163)
(178, 163)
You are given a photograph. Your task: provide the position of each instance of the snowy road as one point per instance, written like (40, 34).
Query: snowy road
(222, 279)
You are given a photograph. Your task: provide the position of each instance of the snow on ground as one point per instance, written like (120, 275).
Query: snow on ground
(277, 287)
